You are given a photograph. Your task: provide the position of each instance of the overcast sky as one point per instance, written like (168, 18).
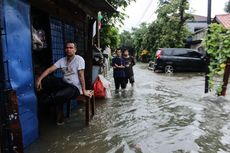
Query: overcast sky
(144, 11)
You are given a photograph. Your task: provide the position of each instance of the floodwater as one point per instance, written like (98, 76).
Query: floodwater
(160, 114)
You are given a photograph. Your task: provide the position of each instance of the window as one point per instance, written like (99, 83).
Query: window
(181, 52)
(194, 54)
(167, 52)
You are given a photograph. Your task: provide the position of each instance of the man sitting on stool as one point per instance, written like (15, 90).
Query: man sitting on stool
(71, 85)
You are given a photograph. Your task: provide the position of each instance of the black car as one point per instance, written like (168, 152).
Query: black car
(179, 59)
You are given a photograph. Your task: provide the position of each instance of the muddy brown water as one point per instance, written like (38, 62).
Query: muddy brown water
(160, 114)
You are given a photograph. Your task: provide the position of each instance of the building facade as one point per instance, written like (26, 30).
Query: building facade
(198, 23)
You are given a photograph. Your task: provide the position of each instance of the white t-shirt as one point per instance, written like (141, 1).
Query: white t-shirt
(71, 70)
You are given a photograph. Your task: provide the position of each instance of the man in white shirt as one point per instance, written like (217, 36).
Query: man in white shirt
(71, 85)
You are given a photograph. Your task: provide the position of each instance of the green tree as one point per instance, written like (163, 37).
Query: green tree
(168, 30)
(227, 7)
(110, 36)
(217, 44)
(139, 37)
(152, 37)
(171, 20)
(116, 17)
(126, 39)
(109, 33)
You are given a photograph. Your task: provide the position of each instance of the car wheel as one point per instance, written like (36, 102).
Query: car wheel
(169, 69)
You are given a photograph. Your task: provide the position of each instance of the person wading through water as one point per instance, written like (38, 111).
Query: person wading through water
(118, 71)
(129, 63)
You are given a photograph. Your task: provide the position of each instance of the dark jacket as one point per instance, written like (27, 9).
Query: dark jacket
(118, 72)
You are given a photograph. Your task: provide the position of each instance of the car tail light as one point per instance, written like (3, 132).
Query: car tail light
(158, 54)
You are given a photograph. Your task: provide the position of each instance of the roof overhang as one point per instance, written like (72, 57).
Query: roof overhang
(101, 5)
(88, 7)
(92, 7)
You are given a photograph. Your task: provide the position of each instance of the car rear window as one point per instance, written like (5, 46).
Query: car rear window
(181, 52)
(167, 52)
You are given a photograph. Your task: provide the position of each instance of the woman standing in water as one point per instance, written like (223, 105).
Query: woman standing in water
(129, 63)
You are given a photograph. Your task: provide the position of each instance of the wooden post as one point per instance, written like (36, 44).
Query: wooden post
(89, 54)
(92, 105)
(87, 111)
(225, 79)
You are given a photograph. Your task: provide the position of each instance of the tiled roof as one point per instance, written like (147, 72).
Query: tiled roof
(223, 19)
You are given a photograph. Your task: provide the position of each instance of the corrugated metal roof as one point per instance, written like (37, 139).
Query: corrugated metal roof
(223, 19)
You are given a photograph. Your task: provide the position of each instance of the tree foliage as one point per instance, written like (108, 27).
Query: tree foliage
(110, 36)
(117, 17)
(139, 37)
(171, 19)
(168, 30)
(126, 39)
(217, 44)
(109, 32)
(227, 7)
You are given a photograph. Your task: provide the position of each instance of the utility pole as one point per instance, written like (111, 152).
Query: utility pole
(209, 20)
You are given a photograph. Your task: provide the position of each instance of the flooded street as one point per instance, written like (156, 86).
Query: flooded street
(160, 114)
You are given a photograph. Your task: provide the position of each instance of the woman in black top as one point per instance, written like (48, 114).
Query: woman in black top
(129, 63)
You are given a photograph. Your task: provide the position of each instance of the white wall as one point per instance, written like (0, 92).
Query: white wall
(193, 25)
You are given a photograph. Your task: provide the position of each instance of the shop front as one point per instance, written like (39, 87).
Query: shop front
(33, 34)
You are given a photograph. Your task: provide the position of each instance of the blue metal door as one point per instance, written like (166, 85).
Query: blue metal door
(17, 53)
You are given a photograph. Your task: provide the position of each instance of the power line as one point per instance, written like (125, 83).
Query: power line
(151, 16)
(144, 13)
